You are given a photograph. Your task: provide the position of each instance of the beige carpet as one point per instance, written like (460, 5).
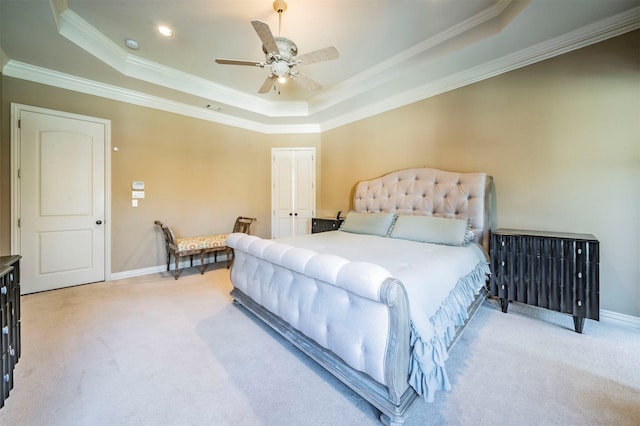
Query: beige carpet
(155, 351)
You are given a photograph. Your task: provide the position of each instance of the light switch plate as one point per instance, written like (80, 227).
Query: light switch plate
(137, 194)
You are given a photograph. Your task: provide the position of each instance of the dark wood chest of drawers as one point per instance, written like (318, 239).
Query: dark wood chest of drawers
(324, 225)
(10, 318)
(553, 270)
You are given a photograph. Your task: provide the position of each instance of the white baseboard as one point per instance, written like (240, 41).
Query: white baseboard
(610, 317)
(162, 268)
(137, 272)
(620, 319)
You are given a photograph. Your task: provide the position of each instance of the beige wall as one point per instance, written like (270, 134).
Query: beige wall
(561, 139)
(199, 176)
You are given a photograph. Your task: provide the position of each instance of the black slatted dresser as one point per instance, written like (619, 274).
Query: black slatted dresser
(553, 270)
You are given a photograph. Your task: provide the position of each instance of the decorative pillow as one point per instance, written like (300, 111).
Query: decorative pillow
(368, 223)
(433, 229)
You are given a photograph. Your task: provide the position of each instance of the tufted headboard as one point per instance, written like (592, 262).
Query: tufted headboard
(431, 192)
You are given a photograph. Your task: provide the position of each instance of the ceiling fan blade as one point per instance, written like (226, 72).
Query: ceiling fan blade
(318, 55)
(264, 32)
(237, 62)
(266, 86)
(307, 82)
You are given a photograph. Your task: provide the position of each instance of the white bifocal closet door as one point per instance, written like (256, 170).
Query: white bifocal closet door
(293, 191)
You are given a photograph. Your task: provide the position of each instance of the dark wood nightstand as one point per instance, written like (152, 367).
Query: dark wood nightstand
(325, 224)
(553, 270)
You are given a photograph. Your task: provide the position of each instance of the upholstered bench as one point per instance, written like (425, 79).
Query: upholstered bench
(200, 246)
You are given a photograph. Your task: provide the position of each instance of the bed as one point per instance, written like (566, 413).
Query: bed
(379, 302)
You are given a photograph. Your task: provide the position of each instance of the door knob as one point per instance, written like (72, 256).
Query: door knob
(98, 222)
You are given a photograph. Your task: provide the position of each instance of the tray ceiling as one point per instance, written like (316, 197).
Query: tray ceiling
(392, 52)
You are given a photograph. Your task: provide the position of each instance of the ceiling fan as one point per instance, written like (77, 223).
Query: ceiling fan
(281, 55)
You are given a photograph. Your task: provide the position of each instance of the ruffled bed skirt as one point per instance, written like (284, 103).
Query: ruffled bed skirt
(427, 372)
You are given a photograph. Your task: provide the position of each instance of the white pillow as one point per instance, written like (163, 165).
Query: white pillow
(432, 229)
(368, 223)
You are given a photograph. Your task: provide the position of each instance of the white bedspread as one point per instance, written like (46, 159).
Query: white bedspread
(429, 272)
(440, 282)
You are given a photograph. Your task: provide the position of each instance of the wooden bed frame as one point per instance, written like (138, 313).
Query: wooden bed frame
(410, 191)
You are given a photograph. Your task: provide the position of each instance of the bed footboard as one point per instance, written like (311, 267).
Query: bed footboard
(350, 317)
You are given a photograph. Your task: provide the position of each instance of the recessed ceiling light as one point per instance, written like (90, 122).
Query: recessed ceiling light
(165, 31)
(131, 44)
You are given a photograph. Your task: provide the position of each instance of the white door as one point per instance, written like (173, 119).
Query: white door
(62, 199)
(293, 191)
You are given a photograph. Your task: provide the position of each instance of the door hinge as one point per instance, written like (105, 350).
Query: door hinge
(19, 173)
(19, 222)
(19, 124)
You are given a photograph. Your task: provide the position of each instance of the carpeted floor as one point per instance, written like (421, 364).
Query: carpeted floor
(154, 351)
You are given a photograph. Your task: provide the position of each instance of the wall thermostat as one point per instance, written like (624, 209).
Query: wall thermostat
(137, 185)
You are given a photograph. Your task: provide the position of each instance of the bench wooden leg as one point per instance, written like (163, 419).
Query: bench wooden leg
(202, 262)
(176, 271)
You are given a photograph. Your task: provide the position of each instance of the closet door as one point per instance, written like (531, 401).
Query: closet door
(293, 191)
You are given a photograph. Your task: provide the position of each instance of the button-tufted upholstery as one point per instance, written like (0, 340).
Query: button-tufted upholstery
(353, 317)
(429, 192)
(318, 294)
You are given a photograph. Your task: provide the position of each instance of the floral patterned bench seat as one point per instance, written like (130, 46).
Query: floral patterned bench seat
(191, 246)
(209, 242)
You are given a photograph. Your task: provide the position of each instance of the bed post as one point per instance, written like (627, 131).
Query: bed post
(488, 214)
(398, 354)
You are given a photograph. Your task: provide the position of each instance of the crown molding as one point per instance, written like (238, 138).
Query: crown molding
(84, 35)
(577, 39)
(4, 59)
(65, 81)
(80, 32)
(379, 74)
(585, 36)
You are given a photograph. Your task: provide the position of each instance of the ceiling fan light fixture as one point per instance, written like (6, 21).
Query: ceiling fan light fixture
(282, 79)
(280, 68)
